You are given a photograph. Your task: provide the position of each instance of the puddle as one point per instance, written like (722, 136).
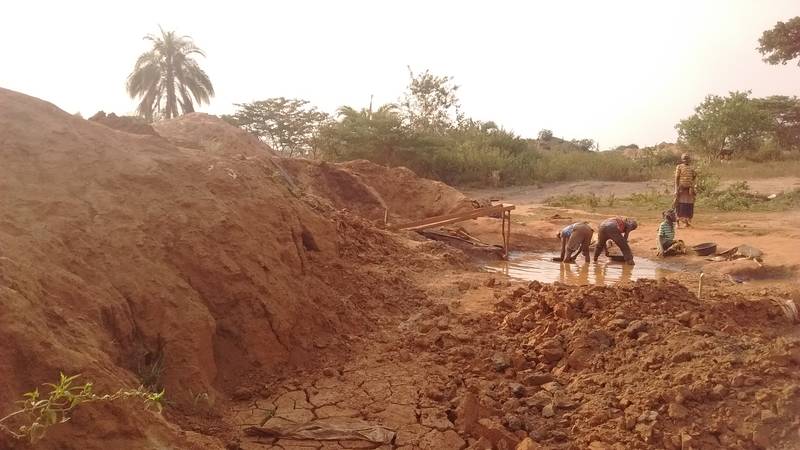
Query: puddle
(540, 267)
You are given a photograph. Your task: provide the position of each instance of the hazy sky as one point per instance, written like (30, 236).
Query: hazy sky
(615, 71)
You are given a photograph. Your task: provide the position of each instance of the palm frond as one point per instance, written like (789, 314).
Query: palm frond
(167, 79)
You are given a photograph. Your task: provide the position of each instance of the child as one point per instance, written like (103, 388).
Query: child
(667, 245)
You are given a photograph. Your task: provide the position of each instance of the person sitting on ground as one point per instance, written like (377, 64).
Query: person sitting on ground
(575, 239)
(667, 245)
(685, 178)
(617, 230)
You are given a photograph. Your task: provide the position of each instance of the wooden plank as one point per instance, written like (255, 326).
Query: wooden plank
(414, 223)
(450, 218)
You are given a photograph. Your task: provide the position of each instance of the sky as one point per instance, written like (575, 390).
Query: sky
(618, 72)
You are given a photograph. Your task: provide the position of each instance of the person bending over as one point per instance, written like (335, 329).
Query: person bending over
(617, 230)
(575, 239)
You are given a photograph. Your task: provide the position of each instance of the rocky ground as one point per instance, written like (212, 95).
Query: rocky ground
(646, 365)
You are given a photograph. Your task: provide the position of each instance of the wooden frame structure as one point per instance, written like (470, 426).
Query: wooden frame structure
(437, 221)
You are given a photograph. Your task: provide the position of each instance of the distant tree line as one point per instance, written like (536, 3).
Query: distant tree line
(426, 131)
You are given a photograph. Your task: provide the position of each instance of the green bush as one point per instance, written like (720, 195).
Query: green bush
(767, 152)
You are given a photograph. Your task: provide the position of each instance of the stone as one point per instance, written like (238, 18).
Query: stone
(677, 411)
(618, 323)
(480, 444)
(551, 354)
(682, 356)
(435, 418)
(501, 361)
(634, 328)
(537, 378)
(719, 392)
(548, 410)
(762, 435)
(539, 399)
(528, 444)
(496, 434)
(647, 416)
(328, 372)
(517, 390)
(552, 386)
(513, 422)
(684, 317)
(468, 412)
(447, 440)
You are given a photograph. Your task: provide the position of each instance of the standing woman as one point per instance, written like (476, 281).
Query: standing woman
(685, 178)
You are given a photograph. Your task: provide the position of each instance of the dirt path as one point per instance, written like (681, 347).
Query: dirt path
(537, 194)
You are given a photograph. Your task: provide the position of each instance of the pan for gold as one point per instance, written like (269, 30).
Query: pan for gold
(705, 249)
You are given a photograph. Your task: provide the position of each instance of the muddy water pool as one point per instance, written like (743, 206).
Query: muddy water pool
(541, 267)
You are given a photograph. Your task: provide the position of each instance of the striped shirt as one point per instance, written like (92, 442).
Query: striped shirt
(685, 175)
(666, 232)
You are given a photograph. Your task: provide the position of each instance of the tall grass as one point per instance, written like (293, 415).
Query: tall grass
(743, 169)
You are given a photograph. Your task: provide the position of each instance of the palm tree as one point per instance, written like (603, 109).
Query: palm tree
(166, 78)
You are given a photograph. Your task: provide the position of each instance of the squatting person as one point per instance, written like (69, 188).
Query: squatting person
(667, 245)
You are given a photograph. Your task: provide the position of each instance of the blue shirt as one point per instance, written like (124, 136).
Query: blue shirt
(567, 231)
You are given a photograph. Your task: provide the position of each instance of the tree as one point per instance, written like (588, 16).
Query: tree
(781, 44)
(290, 126)
(365, 134)
(722, 126)
(583, 144)
(784, 113)
(167, 79)
(545, 134)
(430, 103)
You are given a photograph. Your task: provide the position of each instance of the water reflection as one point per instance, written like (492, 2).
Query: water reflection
(541, 267)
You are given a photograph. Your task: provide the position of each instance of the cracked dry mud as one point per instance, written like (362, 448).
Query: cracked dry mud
(639, 366)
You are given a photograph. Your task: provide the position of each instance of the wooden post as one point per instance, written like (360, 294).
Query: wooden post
(700, 287)
(506, 232)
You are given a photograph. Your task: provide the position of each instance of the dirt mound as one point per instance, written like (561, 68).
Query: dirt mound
(128, 124)
(645, 365)
(372, 190)
(129, 259)
(407, 195)
(210, 133)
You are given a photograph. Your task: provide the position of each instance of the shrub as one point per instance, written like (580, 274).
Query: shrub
(39, 412)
